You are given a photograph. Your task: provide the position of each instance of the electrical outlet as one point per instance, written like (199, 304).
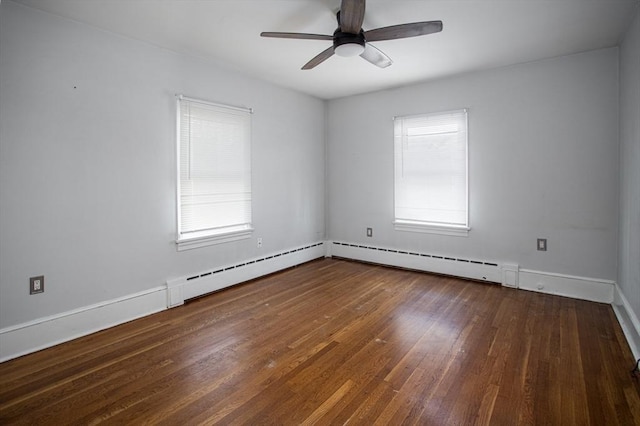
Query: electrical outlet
(259, 242)
(369, 232)
(542, 244)
(36, 285)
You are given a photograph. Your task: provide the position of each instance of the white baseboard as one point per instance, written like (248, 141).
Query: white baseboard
(45, 332)
(183, 288)
(591, 289)
(467, 268)
(628, 321)
(509, 275)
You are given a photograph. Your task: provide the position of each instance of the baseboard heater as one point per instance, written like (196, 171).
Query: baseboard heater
(189, 287)
(455, 266)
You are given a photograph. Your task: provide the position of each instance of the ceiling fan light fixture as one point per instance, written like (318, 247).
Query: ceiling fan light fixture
(349, 39)
(349, 49)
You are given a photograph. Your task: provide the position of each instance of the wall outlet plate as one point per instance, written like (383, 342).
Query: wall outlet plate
(369, 232)
(542, 244)
(36, 284)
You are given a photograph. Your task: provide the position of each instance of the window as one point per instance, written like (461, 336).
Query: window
(431, 181)
(214, 173)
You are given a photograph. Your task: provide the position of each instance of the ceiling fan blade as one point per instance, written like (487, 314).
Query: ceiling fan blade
(352, 15)
(297, 36)
(375, 56)
(319, 58)
(403, 31)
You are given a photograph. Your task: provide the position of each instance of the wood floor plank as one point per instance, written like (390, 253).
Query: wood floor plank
(339, 342)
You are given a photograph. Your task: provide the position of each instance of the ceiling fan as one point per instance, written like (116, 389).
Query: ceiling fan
(349, 39)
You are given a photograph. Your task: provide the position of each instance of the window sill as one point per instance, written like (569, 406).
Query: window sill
(188, 243)
(431, 228)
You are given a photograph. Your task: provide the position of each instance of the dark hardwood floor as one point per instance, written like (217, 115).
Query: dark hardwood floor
(337, 342)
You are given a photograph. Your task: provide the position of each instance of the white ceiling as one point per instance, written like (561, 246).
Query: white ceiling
(477, 34)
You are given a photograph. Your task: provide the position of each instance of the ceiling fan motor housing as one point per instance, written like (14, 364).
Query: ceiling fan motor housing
(348, 44)
(350, 40)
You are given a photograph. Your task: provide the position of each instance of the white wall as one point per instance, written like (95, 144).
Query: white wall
(87, 131)
(87, 165)
(629, 249)
(543, 155)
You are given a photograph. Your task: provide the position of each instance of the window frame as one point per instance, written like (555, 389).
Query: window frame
(212, 236)
(406, 225)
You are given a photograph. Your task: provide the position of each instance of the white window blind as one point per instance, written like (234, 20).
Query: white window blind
(430, 153)
(214, 169)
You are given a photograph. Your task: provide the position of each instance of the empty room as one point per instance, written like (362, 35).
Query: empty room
(290, 212)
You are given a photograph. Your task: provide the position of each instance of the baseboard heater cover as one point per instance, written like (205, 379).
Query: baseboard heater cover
(466, 268)
(189, 287)
(507, 274)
